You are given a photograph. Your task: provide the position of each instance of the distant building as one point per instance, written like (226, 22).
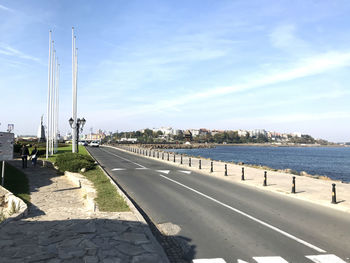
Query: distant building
(194, 132)
(242, 133)
(257, 132)
(188, 135)
(131, 140)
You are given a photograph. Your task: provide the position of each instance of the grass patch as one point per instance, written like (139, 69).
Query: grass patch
(65, 149)
(108, 199)
(16, 182)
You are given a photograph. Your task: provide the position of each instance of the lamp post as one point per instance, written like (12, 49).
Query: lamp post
(79, 128)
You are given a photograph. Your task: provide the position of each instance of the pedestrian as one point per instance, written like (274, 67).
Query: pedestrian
(24, 155)
(34, 156)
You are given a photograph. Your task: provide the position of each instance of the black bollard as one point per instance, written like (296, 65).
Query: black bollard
(150, 153)
(211, 167)
(293, 185)
(181, 159)
(200, 164)
(158, 155)
(225, 169)
(174, 157)
(334, 197)
(189, 161)
(242, 174)
(265, 178)
(168, 156)
(162, 156)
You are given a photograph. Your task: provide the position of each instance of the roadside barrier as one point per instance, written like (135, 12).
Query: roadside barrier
(200, 164)
(242, 174)
(265, 179)
(181, 159)
(334, 197)
(211, 167)
(225, 169)
(189, 162)
(293, 185)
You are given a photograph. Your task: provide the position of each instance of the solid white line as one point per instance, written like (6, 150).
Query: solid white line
(270, 260)
(326, 259)
(124, 159)
(249, 216)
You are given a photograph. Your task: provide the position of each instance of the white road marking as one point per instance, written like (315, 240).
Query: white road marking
(241, 261)
(141, 168)
(270, 260)
(185, 172)
(330, 258)
(209, 260)
(125, 159)
(118, 169)
(163, 171)
(249, 216)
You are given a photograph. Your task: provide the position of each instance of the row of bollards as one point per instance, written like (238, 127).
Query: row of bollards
(149, 153)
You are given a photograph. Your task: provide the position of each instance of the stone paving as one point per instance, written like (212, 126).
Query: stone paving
(59, 228)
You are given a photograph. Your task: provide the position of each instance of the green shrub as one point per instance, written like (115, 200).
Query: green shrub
(74, 162)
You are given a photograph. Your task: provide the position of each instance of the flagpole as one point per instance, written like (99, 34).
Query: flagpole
(48, 98)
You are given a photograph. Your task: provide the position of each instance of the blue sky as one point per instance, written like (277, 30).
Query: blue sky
(277, 65)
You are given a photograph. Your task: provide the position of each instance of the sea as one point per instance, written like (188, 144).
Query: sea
(333, 162)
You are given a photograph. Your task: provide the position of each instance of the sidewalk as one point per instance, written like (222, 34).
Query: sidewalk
(317, 191)
(60, 228)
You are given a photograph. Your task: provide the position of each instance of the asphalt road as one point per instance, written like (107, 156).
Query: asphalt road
(231, 221)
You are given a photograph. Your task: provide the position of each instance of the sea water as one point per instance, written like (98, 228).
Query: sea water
(333, 162)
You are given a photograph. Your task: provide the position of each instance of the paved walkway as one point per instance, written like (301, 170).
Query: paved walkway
(59, 228)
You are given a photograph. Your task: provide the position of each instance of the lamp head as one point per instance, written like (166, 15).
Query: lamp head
(71, 122)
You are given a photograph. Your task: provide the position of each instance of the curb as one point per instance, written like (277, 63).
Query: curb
(86, 186)
(138, 215)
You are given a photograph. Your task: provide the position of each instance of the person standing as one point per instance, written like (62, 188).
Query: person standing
(34, 156)
(24, 155)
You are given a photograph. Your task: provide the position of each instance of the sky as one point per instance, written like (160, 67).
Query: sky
(276, 65)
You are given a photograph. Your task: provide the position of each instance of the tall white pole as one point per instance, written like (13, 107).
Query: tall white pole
(57, 105)
(52, 99)
(74, 101)
(48, 99)
(55, 110)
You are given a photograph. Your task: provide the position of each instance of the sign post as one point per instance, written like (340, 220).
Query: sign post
(6, 151)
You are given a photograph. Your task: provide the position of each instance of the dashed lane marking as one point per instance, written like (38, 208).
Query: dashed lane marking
(163, 171)
(118, 169)
(209, 260)
(270, 260)
(330, 258)
(185, 172)
(124, 159)
(249, 216)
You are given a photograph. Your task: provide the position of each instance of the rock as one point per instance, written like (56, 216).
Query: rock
(83, 170)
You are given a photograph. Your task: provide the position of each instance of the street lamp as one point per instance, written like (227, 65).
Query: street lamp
(79, 128)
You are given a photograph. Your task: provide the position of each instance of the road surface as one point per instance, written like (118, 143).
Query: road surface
(226, 221)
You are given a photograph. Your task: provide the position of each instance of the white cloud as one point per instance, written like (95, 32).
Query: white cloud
(310, 66)
(10, 51)
(5, 8)
(285, 37)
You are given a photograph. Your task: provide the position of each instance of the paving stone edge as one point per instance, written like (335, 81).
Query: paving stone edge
(23, 208)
